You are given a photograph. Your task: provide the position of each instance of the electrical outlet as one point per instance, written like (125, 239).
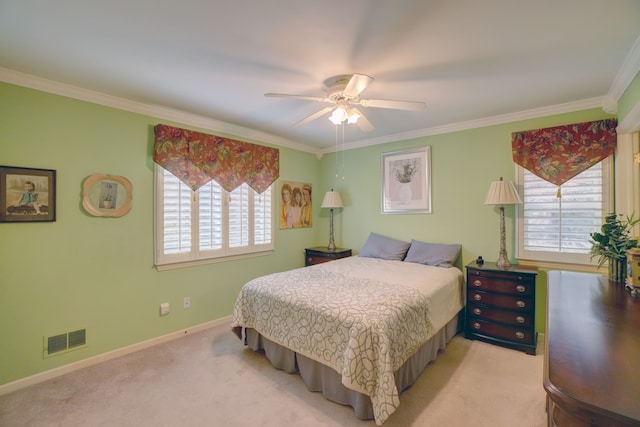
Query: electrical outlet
(186, 303)
(164, 309)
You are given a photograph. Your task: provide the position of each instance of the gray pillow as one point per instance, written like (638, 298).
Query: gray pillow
(438, 254)
(378, 246)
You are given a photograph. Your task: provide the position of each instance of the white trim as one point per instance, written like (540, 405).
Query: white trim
(62, 370)
(628, 71)
(156, 111)
(569, 107)
(631, 122)
(626, 174)
(33, 82)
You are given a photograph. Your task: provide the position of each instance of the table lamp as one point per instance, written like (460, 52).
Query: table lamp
(331, 201)
(502, 193)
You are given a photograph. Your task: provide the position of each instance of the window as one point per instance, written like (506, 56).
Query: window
(556, 229)
(211, 223)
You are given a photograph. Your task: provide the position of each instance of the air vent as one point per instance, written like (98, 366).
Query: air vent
(65, 342)
(56, 343)
(77, 338)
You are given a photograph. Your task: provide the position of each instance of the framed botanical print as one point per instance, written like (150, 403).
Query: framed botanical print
(406, 181)
(27, 194)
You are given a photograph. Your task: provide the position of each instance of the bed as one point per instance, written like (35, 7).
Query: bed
(358, 329)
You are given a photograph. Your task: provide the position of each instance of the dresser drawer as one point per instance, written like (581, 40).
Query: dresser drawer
(507, 333)
(494, 284)
(319, 259)
(499, 300)
(516, 318)
(321, 254)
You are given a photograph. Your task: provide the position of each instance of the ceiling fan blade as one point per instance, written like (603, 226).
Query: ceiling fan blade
(394, 104)
(286, 95)
(363, 123)
(314, 116)
(357, 84)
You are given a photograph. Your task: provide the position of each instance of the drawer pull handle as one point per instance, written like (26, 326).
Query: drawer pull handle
(520, 288)
(477, 311)
(519, 335)
(477, 283)
(520, 319)
(477, 297)
(476, 325)
(520, 304)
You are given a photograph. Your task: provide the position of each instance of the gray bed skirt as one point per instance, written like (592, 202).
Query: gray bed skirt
(319, 377)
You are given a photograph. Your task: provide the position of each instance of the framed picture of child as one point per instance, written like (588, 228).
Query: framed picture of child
(27, 194)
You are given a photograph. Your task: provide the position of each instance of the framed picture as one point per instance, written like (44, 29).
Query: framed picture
(296, 210)
(406, 181)
(107, 195)
(27, 194)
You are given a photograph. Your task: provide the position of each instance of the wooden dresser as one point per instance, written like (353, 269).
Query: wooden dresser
(501, 304)
(592, 352)
(320, 254)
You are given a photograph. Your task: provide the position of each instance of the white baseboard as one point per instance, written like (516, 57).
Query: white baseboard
(56, 372)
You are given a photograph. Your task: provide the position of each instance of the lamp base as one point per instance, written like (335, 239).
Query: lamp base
(332, 245)
(503, 260)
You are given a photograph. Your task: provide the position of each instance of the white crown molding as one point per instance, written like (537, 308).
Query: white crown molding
(628, 71)
(479, 123)
(164, 113)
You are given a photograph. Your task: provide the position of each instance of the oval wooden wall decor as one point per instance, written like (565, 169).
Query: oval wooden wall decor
(107, 195)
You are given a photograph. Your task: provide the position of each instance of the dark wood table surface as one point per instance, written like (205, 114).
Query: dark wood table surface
(592, 360)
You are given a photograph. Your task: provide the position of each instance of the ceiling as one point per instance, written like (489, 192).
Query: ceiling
(470, 61)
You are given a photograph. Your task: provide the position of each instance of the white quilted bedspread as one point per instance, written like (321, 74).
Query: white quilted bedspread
(363, 317)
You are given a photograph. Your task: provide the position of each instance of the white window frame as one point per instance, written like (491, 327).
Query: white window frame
(195, 256)
(553, 259)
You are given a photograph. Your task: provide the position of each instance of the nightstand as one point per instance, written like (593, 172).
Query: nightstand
(320, 254)
(501, 304)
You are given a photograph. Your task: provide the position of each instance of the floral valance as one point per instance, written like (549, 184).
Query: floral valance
(196, 158)
(559, 153)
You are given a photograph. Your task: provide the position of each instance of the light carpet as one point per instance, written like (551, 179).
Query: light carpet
(210, 379)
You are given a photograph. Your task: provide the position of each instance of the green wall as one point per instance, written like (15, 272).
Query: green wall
(463, 165)
(97, 273)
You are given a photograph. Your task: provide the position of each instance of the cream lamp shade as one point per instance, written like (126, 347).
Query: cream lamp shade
(331, 201)
(502, 193)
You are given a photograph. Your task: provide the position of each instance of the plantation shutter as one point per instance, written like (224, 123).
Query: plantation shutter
(210, 218)
(262, 218)
(569, 156)
(563, 224)
(239, 217)
(176, 215)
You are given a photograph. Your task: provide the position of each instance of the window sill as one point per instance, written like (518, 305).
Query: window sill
(194, 263)
(549, 265)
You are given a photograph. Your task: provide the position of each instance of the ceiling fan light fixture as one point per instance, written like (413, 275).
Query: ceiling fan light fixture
(353, 117)
(338, 115)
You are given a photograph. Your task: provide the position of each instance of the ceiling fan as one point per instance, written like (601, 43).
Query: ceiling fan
(343, 92)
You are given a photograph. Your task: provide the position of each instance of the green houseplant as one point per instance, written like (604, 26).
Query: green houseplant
(612, 243)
